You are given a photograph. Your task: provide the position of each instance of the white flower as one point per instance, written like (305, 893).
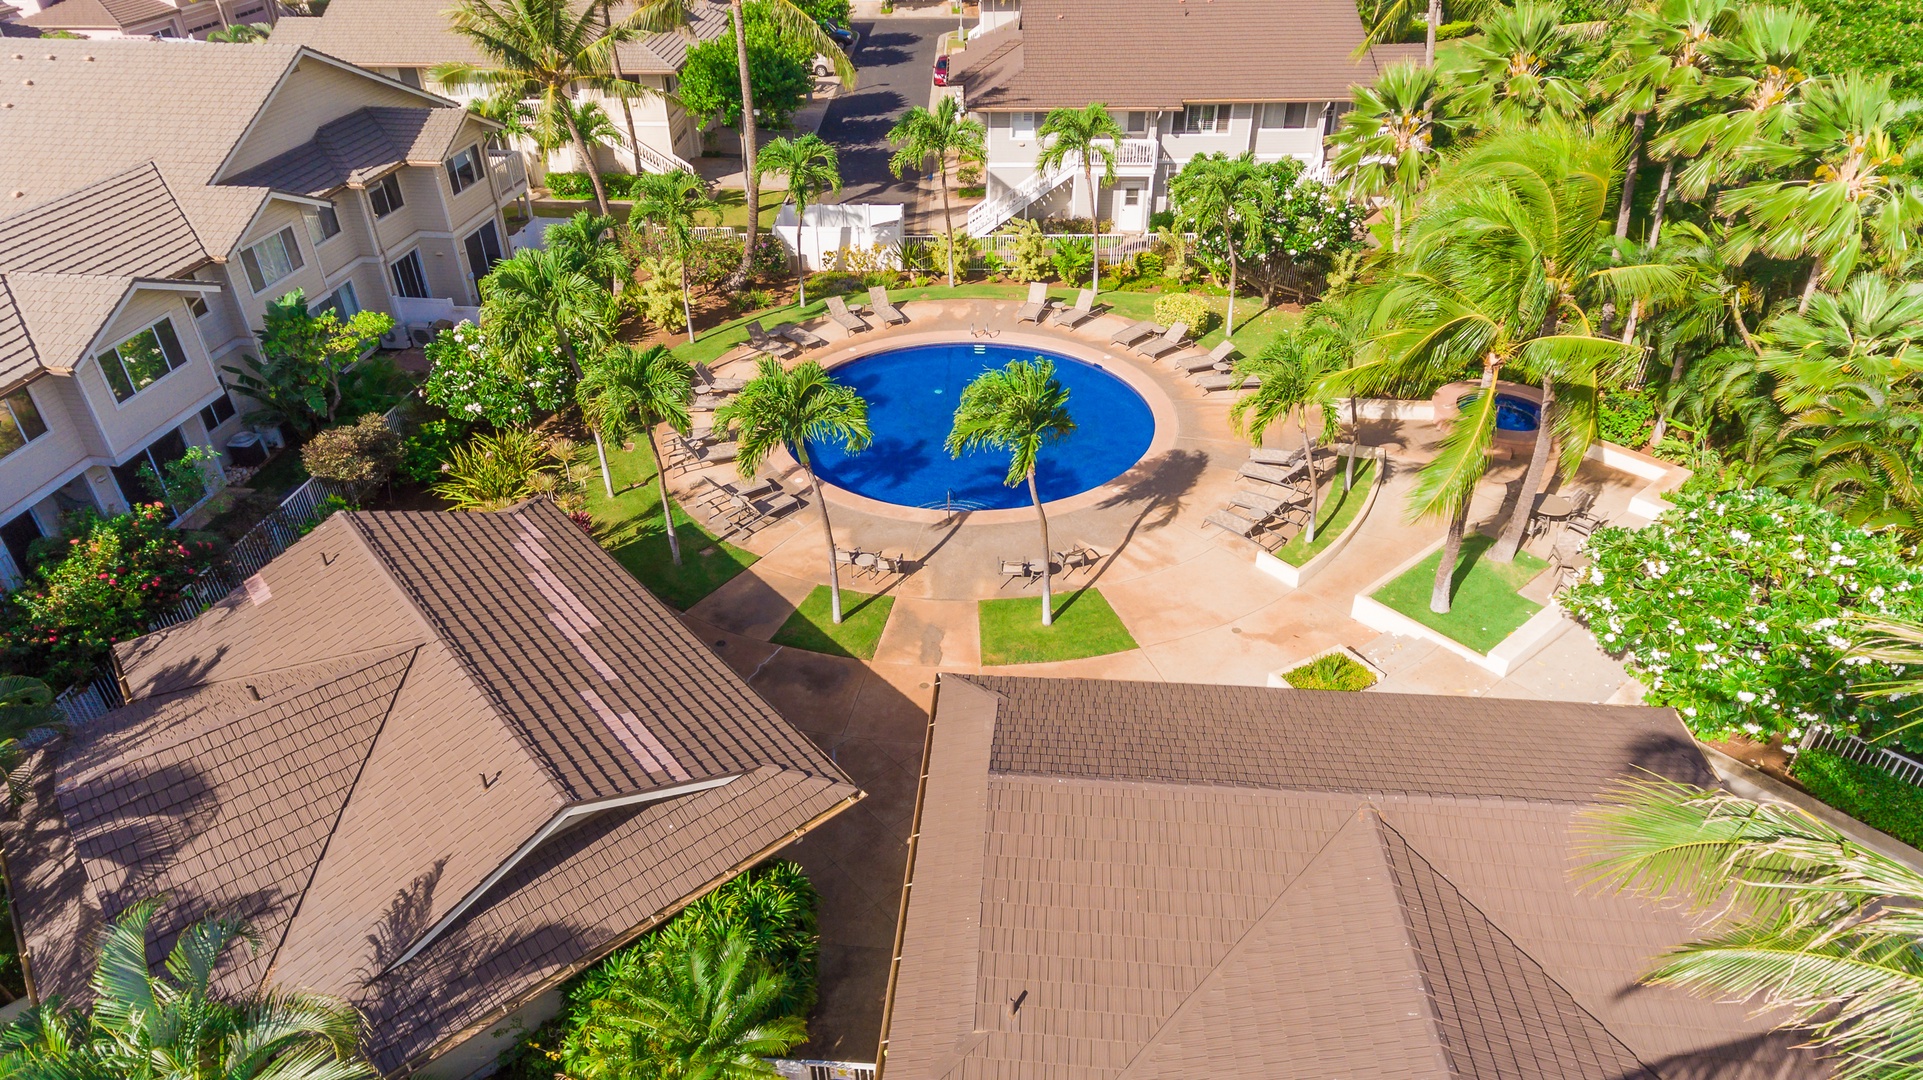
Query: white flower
(1745, 696)
(1689, 710)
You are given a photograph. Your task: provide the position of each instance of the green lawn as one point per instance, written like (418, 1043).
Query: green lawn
(812, 628)
(1485, 608)
(1339, 508)
(1255, 326)
(1865, 793)
(1012, 630)
(629, 526)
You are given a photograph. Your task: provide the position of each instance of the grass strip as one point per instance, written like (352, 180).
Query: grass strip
(629, 526)
(811, 627)
(1484, 607)
(1339, 507)
(1085, 625)
(1864, 792)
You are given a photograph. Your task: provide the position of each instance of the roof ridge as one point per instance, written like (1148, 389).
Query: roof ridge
(1390, 837)
(1214, 974)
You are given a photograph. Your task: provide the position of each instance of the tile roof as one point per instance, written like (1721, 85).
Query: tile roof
(98, 14)
(415, 33)
(1161, 54)
(1238, 882)
(68, 263)
(351, 748)
(359, 147)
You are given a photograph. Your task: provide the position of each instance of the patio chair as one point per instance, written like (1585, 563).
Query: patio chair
(707, 382)
(1079, 557)
(721, 493)
(1262, 455)
(1023, 569)
(801, 337)
(1272, 505)
(1227, 380)
(886, 565)
(885, 311)
(847, 320)
(712, 454)
(1195, 363)
(757, 514)
(1170, 341)
(1270, 474)
(762, 341)
(1231, 523)
(1080, 313)
(705, 402)
(1134, 332)
(1036, 305)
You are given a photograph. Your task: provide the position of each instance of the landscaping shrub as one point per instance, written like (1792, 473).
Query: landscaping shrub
(833, 283)
(115, 576)
(181, 482)
(1028, 257)
(1335, 671)
(1626, 417)
(474, 379)
(711, 258)
(1148, 264)
(1072, 260)
(362, 455)
(427, 447)
(750, 300)
(308, 363)
(1864, 792)
(1161, 219)
(1073, 226)
(1197, 311)
(577, 185)
(1729, 607)
(493, 471)
(659, 298)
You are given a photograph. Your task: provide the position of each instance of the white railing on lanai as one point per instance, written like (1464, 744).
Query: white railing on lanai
(989, 214)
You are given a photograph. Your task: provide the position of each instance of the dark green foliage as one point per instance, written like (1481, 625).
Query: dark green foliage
(780, 70)
(576, 185)
(1626, 417)
(307, 373)
(833, 283)
(1864, 792)
(1072, 260)
(426, 449)
(1872, 37)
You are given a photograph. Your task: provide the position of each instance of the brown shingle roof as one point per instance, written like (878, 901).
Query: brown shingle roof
(98, 14)
(1160, 54)
(1222, 881)
(349, 750)
(360, 147)
(415, 33)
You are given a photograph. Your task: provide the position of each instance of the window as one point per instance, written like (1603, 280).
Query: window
(218, 412)
(192, 30)
(323, 224)
(1021, 125)
(1288, 114)
(341, 301)
(136, 488)
(271, 259)
(1131, 197)
(464, 169)
(19, 535)
(1202, 119)
(483, 250)
(197, 306)
(20, 422)
(410, 279)
(386, 195)
(1137, 123)
(142, 360)
(410, 76)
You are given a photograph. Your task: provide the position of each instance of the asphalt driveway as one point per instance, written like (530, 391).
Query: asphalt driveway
(897, 61)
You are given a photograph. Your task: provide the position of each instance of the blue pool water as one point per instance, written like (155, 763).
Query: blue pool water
(1512, 413)
(912, 394)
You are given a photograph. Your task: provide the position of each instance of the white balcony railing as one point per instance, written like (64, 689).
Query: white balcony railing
(510, 172)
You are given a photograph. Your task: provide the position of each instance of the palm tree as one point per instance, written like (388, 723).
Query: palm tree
(1020, 408)
(1392, 19)
(1840, 143)
(708, 1009)
(674, 202)
(504, 107)
(1220, 195)
(1294, 375)
(1517, 70)
(569, 121)
(1385, 148)
(923, 135)
(538, 300)
(1802, 919)
(586, 243)
(627, 391)
(1756, 90)
(812, 168)
(780, 408)
(239, 34)
(794, 24)
(26, 706)
(172, 1025)
(544, 49)
(1084, 135)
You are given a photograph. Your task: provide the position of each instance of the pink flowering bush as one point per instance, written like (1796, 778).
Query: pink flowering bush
(115, 576)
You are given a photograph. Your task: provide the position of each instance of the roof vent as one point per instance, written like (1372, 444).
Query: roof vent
(1015, 1005)
(19, 194)
(88, 59)
(26, 82)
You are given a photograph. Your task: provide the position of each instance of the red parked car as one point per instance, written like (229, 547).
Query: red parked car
(941, 71)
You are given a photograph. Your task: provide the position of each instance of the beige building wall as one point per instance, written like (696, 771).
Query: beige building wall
(127, 426)
(313, 94)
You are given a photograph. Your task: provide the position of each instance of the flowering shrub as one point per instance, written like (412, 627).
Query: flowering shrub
(117, 574)
(1729, 608)
(473, 381)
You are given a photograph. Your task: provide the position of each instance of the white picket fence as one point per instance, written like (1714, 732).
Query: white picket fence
(1843, 744)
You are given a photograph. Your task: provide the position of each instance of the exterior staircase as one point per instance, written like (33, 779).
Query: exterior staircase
(648, 158)
(990, 214)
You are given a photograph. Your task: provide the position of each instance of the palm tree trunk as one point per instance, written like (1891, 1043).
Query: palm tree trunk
(1095, 227)
(1433, 20)
(601, 452)
(1355, 445)
(752, 194)
(687, 306)
(948, 216)
(587, 160)
(667, 505)
(1629, 175)
(1048, 595)
(1229, 329)
(1518, 524)
(627, 110)
(1662, 200)
(1809, 287)
(828, 534)
(801, 269)
(1676, 369)
(1308, 462)
(1446, 568)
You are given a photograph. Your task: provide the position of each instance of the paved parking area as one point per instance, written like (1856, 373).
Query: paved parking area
(896, 58)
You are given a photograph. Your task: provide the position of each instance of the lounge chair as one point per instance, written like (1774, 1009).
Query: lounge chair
(712, 454)
(1267, 504)
(1269, 474)
(1023, 569)
(707, 402)
(1227, 380)
(762, 341)
(753, 514)
(1080, 313)
(1231, 523)
(885, 311)
(1170, 341)
(1262, 455)
(707, 382)
(1135, 332)
(847, 320)
(1036, 305)
(1194, 363)
(722, 493)
(799, 336)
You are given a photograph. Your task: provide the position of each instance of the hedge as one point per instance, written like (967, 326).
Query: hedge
(1864, 792)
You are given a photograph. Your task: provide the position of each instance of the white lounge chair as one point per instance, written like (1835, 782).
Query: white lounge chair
(847, 320)
(1196, 363)
(1134, 332)
(1227, 380)
(885, 311)
(707, 382)
(804, 338)
(1036, 305)
(1080, 313)
(1170, 341)
(762, 341)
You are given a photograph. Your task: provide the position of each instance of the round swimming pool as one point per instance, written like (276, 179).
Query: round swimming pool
(912, 393)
